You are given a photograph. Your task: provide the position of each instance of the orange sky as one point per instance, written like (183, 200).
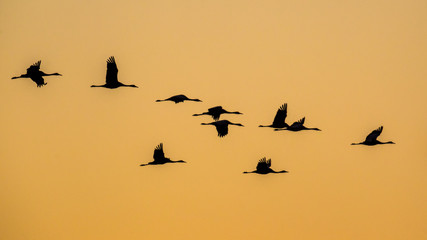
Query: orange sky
(70, 154)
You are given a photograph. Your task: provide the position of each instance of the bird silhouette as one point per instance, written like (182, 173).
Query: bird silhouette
(279, 119)
(159, 157)
(216, 112)
(179, 98)
(263, 167)
(222, 126)
(371, 139)
(111, 80)
(36, 75)
(297, 126)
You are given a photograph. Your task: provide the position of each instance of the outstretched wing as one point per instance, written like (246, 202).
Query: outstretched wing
(281, 114)
(299, 122)
(158, 153)
(34, 68)
(374, 134)
(222, 129)
(111, 71)
(263, 164)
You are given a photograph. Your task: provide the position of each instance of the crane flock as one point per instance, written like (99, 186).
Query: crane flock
(278, 124)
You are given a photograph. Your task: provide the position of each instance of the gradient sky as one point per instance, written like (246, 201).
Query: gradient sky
(70, 154)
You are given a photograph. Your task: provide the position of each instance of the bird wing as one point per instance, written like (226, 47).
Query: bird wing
(222, 129)
(299, 122)
(215, 112)
(374, 134)
(263, 164)
(158, 153)
(112, 70)
(34, 68)
(214, 109)
(38, 79)
(281, 114)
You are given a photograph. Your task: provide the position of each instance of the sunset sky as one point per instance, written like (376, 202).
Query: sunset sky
(70, 154)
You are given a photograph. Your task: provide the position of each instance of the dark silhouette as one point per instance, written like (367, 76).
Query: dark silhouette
(36, 75)
(263, 167)
(111, 80)
(159, 157)
(371, 139)
(216, 112)
(222, 126)
(297, 126)
(279, 119)
(179, 98)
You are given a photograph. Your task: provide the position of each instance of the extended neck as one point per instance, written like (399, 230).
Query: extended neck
(134, 86)
(178, 161)
(51, 74)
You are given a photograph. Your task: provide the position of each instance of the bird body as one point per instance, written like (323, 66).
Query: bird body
(159, 157)
(179, 98)
(34, 73)
(263, 167)
(216, 112)
(371, 139)
(111, 80)
(279, 119)
(222, 126)
(298, 126)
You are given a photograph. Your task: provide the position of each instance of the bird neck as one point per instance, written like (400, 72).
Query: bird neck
(178, 161)
(50, 74)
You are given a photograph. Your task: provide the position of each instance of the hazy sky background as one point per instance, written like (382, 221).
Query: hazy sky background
(70, 154)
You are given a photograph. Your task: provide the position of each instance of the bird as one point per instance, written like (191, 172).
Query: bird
(159, 157)
(371, 139)
(222, 126)
(36, 75)
(216, 112)
(263, 167)
(279, 119)
(111, 81)
(297, 126)
(179, 98)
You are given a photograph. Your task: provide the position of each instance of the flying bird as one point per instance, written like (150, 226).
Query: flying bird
(111, 80)
(263, 167)
(179, 98)
(297, 126)
(36, 75)
(279, 119)
(159, 157)
(371, 139)
(222, 126)
(216, 112)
